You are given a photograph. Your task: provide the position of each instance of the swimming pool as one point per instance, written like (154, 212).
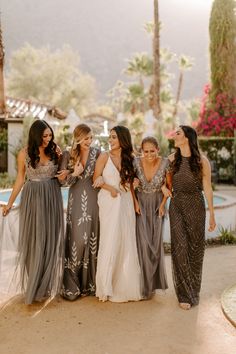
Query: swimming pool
(5, 194)
(224, 206)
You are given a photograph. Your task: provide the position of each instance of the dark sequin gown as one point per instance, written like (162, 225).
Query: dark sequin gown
(187, 225)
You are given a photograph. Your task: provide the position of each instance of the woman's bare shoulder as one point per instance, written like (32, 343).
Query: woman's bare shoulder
(22, 153)
(103, 157)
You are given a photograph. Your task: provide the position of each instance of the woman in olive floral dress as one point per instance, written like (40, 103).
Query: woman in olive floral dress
(82, 223)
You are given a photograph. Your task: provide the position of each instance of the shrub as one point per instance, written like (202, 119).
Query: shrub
(6, 181)
(226, 236)
(218, 116)
(221, 150)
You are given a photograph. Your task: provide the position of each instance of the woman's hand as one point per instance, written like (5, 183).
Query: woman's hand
(61, 175)
(114, 192)
(136, 183)
(161, 211)
(167, 193)
(58, 151)
(5, 210)
(78, 169)
(99, 181)
(137, 207)
(212, 223)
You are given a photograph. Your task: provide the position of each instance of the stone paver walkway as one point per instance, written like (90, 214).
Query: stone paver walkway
(157, 326)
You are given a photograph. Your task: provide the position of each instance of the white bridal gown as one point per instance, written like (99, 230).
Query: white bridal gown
(118, 271)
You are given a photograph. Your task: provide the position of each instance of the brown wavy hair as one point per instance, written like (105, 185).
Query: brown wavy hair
(150, 139)
(35, 140)
(127, 172)
(195, 158)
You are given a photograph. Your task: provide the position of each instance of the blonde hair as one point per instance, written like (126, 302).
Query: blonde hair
(79, 134)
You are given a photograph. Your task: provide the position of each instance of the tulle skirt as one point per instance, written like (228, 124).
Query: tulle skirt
(40, 248)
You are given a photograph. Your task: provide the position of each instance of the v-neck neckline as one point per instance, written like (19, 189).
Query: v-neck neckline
(155, 173)
(114, 164)
(86, 162)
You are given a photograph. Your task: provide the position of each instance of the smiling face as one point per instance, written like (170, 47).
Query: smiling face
(113, 140)
(87, 141)
(47, 137)
(150, 151)
(179, 138)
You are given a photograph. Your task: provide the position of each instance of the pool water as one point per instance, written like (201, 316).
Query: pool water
(4, 196)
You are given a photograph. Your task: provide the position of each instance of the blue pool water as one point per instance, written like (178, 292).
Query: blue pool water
(4, 196)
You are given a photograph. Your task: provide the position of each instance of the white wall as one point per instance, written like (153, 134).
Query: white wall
(15, 131)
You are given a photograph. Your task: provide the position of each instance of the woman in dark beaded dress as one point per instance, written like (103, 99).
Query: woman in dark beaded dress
(41, 224)
(152, 171)
(82, 222)
(191, 173)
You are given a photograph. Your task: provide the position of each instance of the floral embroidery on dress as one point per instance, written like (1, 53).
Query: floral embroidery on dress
(93, 244)
(72, 263)
(84, 206)
(89, 170)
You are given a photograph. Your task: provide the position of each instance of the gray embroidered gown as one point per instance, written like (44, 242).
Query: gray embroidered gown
(41, 233)
(82, 231)
(149, 229)
(187, 226)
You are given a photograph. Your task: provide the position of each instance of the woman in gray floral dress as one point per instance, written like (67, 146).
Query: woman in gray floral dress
(152, 171)
(82, 223)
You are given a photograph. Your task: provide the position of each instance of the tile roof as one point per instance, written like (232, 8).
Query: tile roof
(19, 108)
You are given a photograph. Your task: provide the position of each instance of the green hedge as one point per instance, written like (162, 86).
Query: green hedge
(222, 151)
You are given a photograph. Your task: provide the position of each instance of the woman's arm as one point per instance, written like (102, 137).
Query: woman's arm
(206, 181)
(20, 179)
(135, 200)
(64, 175)
(99, 167)
(168, 187)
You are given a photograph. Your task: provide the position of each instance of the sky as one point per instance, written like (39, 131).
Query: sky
(106, 32)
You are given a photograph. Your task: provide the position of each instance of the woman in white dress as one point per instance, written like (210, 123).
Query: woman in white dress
(118, 271)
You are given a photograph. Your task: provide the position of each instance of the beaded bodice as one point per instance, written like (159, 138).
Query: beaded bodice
(41, 171)
(158, 179)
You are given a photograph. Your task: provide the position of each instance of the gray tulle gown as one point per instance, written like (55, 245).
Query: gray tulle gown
(187, 226)
(82, 231)
(149, 229)
(41, 233)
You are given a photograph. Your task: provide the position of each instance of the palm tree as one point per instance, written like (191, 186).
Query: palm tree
(185, 63)
(141, 66)
(2, 95)
(156, 63)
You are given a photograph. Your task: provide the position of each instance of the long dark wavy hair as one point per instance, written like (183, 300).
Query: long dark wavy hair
(127, 172)
(35, 140)
(195, 158)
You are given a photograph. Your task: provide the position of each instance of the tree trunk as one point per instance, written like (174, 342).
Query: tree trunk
(156, 63)
(2, 94)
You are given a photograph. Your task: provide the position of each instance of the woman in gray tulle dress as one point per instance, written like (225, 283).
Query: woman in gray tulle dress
(41, 233)
(152, 171)
(82, 224)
